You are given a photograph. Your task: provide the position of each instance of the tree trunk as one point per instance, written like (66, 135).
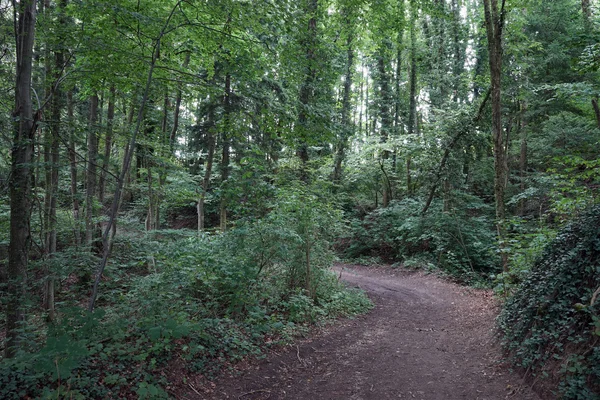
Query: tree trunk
(20, 177)
(127, 191)
(73, 169)
(447, 194)
(110, 117)
(206, 182)
(52, 166)
(308, 281)
(596, 111)
(587, 14)
(207, 172)
(226, 139)
(173, 135)
(459, 54)
(522, 155)
(346, 128)
(412, 112)
(494, 21)
(412, 108)
(162, 169)
(150, 215)
(385, 100)
(367, 114)
(397, 120)
(92, 155)
(307, 88)
(362, 100)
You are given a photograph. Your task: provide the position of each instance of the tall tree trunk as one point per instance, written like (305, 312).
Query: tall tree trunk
(47, 134)
(523, 155)
(177, 111)
(412, 107)
(367, 113)
(52, 166)
(108, 141)
(459, 54)
(127, 191)
(20, 177)
(162, 169)
(398, 124)
(307, 88)
(226, 141)
(73, 168)
(362, 100)
(150, 214)
(207, 174)
(439, 56)
(385, 100)
(412, 111)
(346, 128)
(91, 171)
(494, 23)
(398, 129)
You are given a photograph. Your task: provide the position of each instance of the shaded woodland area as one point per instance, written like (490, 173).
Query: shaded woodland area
(177, 177)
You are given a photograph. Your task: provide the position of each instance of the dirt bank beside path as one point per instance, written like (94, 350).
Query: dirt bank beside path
(425, 339)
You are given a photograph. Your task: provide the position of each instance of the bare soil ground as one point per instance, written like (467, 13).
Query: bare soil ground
(426, 339)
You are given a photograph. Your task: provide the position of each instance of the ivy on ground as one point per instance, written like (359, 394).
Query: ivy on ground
(551, 325)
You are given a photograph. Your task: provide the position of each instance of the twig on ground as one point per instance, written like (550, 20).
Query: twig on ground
(194, 389)
(298, 355)
(255, 391)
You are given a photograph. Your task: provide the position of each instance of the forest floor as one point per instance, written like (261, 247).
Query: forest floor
(426, 339)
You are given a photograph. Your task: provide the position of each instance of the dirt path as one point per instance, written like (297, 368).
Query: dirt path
(425, 339)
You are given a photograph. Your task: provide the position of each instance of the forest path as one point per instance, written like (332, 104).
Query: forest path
(425, 339)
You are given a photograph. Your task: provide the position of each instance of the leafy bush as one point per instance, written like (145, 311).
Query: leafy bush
(460, 242)
(525, 245)
(204, 300)
(551, 325)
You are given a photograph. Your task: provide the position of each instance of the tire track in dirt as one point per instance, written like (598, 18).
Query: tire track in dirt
(425, 339)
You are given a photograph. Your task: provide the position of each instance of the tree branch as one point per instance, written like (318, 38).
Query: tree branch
(466, 129)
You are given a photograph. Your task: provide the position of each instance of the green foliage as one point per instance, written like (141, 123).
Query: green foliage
(562, 136)
(207, 299)
(576, 186)
(525, 245)
(461, 243)
(550, 325)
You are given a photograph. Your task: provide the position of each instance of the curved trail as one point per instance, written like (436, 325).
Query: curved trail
(425, 339)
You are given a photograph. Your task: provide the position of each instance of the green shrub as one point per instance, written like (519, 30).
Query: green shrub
(208, 299)
(461, 243)
(549, 325)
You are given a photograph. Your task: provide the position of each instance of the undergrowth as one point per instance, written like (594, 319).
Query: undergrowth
(460, 242)
(551, 324)
(179, 298)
